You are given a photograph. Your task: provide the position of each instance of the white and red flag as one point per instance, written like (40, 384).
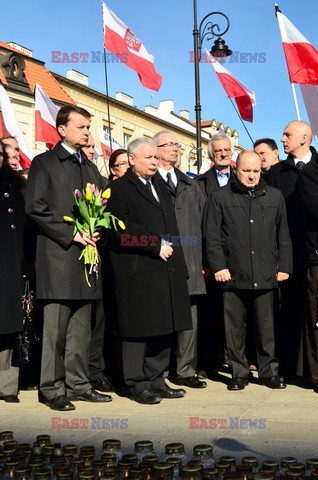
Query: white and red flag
(310, 97)
(301, 56)
(105, 143)
(45, 118)
(10, 126)
(244, 97)
(121, 41)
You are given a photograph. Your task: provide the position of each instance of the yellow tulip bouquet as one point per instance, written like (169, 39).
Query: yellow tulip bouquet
(91, 205)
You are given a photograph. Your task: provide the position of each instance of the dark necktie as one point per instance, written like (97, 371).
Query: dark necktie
(170, 183)
(300, 165)
(149, 186)
(77, 155)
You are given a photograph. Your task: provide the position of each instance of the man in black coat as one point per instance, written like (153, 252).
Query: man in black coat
(210, 308)
(249, 250)
(188, 201)
(150, 275)
(307, 188)
(61, 283)
(285, 175)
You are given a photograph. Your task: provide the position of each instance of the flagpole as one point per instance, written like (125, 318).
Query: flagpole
(238, 113)
(107, 95)
(295, 100)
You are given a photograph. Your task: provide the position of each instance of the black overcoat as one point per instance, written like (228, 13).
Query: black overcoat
(152, 295)
(285, 176)
(53, 178)
(208, 181)
(247, 233)
(12, 219)
(307, 188)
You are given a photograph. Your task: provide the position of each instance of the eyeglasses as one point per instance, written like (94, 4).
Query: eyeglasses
(170, 144)
(121, 165)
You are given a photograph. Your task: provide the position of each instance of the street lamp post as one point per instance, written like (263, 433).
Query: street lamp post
(219, 49)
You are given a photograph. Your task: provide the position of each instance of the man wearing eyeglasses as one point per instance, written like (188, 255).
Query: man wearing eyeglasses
(188, 201)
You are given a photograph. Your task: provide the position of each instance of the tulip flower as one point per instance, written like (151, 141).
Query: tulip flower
(104, 202)
(78, 193)
(88, 195)
(96, 193)
(106, 193)
(68, 219)
(92, 187)
(121, 224)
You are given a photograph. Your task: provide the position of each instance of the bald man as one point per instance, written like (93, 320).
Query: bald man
(285, 175)
(249, 251)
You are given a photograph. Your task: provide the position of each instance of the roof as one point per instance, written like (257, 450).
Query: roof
(36, 72)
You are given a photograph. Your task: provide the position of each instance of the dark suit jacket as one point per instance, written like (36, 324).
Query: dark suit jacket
(53, 178)
(208, 182)
(152, 295)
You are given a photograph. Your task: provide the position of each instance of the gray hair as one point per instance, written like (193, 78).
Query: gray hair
(158, 135)
(135, 144)
(218, 136)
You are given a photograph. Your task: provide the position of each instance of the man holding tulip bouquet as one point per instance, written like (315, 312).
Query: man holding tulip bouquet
(61, 283)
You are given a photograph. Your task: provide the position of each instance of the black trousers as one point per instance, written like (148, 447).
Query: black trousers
(144, 362)
(66, 340)
(96, 352)
(308, 353)
(236, 305)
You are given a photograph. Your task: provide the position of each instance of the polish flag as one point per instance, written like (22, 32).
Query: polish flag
(10, 126)
(105, 144)
(45, 118)
(301, 56)
(310, 97)
(244, 97)
(121, 41)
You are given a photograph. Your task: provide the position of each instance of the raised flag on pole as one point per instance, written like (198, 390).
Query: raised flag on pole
(45, 118)
(105, 144)
(11, 126)
(310, 96)
(121, 41)
(301, 56)
(244, 97)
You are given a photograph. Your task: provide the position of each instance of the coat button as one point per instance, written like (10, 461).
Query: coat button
(252, 252)
(170, 269)
(6, 194)
(10, 210)
(251, 221)
(255, 284)
(13, 226)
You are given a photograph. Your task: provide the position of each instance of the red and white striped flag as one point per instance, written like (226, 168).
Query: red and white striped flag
(301, 56)
(310, 96)
(244, 97)
(45, 118)
(105, 144)
(121, 41)
(10, 126)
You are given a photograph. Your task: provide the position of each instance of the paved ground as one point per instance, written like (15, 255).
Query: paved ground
(286, 421)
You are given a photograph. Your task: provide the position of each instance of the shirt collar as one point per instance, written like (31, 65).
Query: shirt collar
(69, 149)
(219, 174)
(306, 159)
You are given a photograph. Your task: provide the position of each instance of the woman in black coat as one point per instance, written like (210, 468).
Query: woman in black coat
(12, 219)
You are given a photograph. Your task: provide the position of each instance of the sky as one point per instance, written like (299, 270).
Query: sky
(165, 28)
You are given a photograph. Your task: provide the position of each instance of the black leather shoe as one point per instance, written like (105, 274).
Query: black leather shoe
(237, 384)
(191, 382)
(92, 396)
(60, 403)
(274, 382)
(166, 392)
(102, 384)
(147, 397)
(11, 398)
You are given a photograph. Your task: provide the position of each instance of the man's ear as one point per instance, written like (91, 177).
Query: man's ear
(131, 160)
(61, 130)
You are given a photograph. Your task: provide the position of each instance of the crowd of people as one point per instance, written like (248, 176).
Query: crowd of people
(221, 270)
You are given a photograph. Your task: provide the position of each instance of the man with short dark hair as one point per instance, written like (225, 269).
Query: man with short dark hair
(61, 283)
(249, 251)
(267, 149)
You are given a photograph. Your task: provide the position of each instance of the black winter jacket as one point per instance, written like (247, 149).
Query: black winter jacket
(246, 231)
